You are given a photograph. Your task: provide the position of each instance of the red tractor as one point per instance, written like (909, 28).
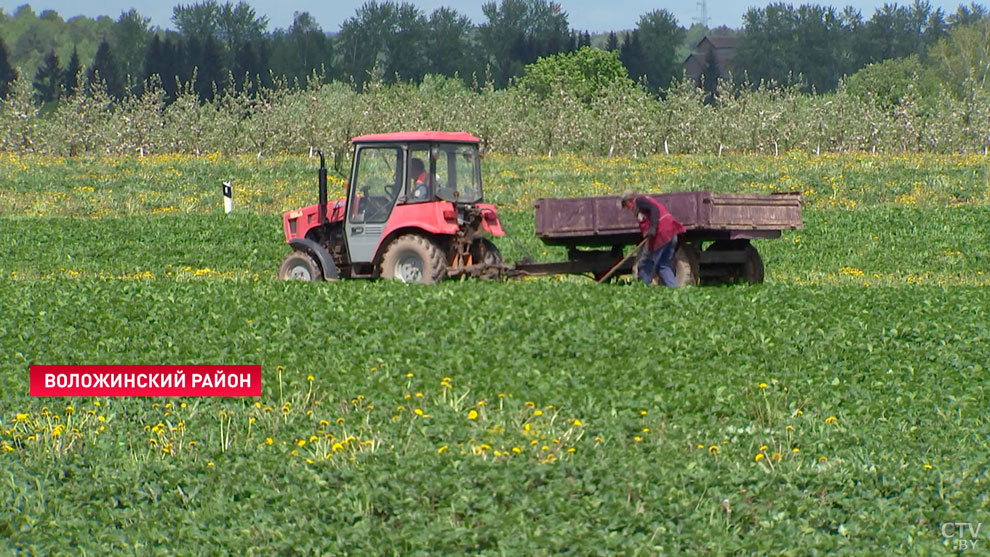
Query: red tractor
(413, 212)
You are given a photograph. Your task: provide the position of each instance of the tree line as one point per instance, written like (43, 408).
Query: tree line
(216, 46)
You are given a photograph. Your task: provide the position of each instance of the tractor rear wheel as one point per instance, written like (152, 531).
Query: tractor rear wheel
(299, 265)
(486, 253)
(413, 258)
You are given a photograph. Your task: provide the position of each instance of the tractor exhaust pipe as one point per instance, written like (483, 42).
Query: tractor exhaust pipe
(323, 189)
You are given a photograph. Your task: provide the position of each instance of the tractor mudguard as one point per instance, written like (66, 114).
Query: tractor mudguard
(323, 257)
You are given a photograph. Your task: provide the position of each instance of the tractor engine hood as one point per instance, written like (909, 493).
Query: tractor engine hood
(299, 221)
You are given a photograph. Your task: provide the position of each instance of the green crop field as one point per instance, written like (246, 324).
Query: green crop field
(838, 407)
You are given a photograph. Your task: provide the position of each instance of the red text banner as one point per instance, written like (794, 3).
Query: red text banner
(165, 380)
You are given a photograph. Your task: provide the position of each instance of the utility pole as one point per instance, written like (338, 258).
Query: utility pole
(702, 13)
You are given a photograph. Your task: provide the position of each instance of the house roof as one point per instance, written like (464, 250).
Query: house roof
(452, 137)
(719, 41)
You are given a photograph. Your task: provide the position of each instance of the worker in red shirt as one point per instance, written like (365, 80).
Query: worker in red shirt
(660, 229)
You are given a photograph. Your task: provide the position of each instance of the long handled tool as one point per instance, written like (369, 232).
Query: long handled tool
(608, 274)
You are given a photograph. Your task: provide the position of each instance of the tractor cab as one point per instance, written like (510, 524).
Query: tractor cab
(413, 211)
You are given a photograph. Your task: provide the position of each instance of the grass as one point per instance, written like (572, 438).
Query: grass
(837, 407)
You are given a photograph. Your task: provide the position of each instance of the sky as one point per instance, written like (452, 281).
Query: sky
(589, 15)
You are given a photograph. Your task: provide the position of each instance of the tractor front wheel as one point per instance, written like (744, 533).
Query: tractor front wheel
(300, 265)
(413, 258)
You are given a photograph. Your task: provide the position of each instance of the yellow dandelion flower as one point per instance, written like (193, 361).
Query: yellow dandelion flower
(301, 442)
(789, 428)
(538, 412)
(713, 449)
(473, 415)
(516, 450)
(571, 450)
(310, 378)
(21, 417)
(637, 439)
(313, 438)
(928, 466)
(210, 463)
(763, 385)
(577, 423)
(831, 420)
(642, 412)
(763, 447)
(795, 450)
(409, 374)
(758, 457)
(526, 427)
(418, 411)
(646, 430)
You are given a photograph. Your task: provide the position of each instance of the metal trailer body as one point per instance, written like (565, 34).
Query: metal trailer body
(714, 249)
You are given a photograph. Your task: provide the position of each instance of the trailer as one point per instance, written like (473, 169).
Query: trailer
(715, 249)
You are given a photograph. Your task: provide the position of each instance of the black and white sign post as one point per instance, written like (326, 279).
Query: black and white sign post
(228, 201)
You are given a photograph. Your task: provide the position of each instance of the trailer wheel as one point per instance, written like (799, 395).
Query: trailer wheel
(752, 269)
(413, 258)
(686, 265)
(299, 265)
(746, 265)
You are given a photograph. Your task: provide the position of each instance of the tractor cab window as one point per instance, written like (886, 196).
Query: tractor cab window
(376, 183)
(458, 173)
(419, 180)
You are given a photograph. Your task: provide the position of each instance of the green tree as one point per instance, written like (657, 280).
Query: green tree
(248, 68)
(226, 25)
(781, 43)
(388, 38)
(301, 49)
(613, 42)
(517, 32)
(163, 59)
(48, 78)
(8, 74)
(966, 15)
(632, 55)
(70, 77)
(582, 74)
(887, 84)
(897, 31)
(660, 36)
(205, 62)
(962, 59)
(104, 70)
(450, 49)
(129, 39)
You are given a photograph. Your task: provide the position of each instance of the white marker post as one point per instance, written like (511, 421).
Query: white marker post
(228, 201)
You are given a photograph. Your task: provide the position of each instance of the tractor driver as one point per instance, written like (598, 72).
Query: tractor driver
(420, 190)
